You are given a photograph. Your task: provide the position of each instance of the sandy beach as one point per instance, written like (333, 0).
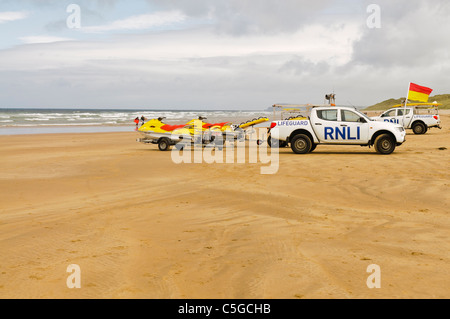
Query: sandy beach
(141, 226)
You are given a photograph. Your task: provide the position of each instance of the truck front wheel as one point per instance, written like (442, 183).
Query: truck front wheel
(384, 144)
(419, 128)
(301, 144)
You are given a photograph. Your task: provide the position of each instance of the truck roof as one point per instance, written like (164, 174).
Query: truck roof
(424, 105)
(296, 107)
(300, 109)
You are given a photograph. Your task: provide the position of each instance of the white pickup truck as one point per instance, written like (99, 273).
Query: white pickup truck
(419, 117)
(335, 125)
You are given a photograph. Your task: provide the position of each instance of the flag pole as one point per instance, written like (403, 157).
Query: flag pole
(407, 94)
(406, 102)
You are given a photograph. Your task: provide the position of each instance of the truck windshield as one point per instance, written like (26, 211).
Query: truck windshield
(363, 116)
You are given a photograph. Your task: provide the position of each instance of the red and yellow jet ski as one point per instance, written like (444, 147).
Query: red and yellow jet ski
(165, 135)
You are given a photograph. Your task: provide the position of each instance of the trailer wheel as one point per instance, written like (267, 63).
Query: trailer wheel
(301, 144)
(384, 144)
(164, 144)
(419, 128)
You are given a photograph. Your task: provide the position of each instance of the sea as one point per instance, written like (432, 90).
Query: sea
(15, 121)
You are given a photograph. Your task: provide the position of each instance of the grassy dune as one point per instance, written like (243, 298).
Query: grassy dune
(444, 99)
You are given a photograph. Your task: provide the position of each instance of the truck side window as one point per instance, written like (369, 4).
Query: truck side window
(349, 116)
(327, 115)
(400, 112)
(390, 113)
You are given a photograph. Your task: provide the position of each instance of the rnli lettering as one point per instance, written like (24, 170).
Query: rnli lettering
(342, 133)
(395, 121)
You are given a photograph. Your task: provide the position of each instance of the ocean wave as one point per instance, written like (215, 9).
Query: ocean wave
(64, 124)
(59, 118)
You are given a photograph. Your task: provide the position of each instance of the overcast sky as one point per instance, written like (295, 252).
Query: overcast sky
(219, 54)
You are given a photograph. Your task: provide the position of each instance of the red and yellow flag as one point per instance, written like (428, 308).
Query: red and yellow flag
(418, 93)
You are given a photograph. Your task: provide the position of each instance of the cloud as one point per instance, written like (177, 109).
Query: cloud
(409, 36)
(57, 3)
(299, 66)
(314, 44)
(179, 69)
(240, 17)
(245, 55)
(42, 39)
(56, 26)
(9, 16)
(139, 22)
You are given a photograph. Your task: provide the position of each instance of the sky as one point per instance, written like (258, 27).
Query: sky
(219, 54)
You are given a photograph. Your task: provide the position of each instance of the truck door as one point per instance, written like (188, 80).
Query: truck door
(325, 125)
(404, 118)
(354, 128)
(390, 116)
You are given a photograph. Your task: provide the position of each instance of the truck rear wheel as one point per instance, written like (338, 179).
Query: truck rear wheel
(164, 144)
(384, 144)
(301, 144)
(419, 128)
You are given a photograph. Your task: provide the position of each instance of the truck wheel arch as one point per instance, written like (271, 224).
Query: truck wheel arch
(384, 144)
(378, 133)
(301, 144)
(419, 122)
(300, 131)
